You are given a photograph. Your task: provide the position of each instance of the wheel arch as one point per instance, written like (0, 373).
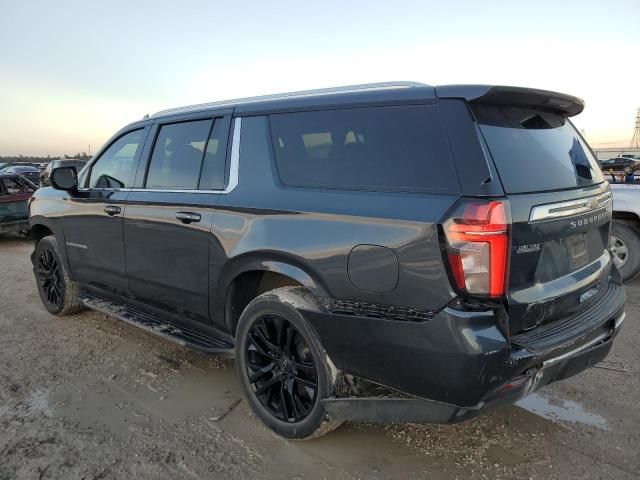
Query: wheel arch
(40, 227)
(38, 231)
(247, 277)
(626, 216)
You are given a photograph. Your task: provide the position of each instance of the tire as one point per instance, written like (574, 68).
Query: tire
(276, 385)
(625, 249)
(59, 294)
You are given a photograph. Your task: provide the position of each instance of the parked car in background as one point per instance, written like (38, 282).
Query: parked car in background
(29, 172)
(618, 165)
(15, 192)
(18, 164)
(46, 172)
(394, 252)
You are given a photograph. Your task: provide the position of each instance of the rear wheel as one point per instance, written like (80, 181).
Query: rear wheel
(59, 294)
(625, 249)
(282, 367)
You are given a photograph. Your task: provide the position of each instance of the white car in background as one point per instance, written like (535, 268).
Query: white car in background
(625, 233)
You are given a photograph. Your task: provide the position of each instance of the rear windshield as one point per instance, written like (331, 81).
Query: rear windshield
(375, 148)
(24, 169)
(536, 151)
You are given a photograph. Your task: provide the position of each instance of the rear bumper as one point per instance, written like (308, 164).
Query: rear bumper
(14, 226)
(371, 409)
(456, 365)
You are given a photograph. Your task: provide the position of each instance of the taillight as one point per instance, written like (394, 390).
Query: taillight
(478, 246)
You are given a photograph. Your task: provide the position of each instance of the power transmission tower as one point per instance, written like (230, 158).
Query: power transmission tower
(635, 140)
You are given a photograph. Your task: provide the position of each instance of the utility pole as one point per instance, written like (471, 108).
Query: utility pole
(635, 140)
(89, 149)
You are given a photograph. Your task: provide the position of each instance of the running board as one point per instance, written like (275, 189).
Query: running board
(182, 335)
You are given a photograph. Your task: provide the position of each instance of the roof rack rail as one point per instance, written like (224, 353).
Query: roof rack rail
(302, 93)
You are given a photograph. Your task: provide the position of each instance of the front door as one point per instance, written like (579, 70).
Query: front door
(168, 216)
(93, 220)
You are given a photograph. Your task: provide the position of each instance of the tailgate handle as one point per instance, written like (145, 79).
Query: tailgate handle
(188, 217)
(112, 210)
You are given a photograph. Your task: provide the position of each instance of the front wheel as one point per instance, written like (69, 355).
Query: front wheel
(59, 294)
(282, 367)
(625, 249)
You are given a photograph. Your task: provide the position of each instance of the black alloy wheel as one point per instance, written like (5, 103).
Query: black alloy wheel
(280, 368)
(50, 278)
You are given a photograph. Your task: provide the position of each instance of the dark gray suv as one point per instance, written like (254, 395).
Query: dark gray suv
(388, 252)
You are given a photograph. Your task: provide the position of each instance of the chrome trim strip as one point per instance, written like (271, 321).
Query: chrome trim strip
(235, 156)
(169, 190)
(619, 321)
(234, 166)
(77, 245)
(572, 207)
(576, 351)
(481, 234)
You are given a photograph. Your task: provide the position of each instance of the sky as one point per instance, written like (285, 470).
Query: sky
(73, 72)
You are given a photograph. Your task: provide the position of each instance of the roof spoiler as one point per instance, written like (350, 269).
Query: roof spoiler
(560, 103)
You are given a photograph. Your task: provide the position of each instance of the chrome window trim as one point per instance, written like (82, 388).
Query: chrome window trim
(569, 208)
(234, 166)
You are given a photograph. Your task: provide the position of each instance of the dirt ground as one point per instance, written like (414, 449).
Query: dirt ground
(89, 397)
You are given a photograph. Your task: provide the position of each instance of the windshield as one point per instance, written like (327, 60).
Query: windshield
(536, 151)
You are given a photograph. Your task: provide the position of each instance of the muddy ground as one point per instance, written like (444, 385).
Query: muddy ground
(88, 397)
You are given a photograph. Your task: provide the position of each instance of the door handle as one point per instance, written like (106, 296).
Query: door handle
(112, 210)
(188, 217)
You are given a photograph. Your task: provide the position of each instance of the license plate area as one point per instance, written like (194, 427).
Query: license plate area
(577, 249)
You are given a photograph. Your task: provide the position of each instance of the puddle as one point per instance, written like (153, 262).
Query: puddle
(120, 404)
(558, 410)
(360, 451)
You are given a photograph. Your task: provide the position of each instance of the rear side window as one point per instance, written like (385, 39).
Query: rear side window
(377, 148)
(177, 155)
(213, 164)
(189, 155)
(536, 151)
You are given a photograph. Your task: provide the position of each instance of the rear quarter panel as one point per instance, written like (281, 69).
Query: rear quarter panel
(316, 229)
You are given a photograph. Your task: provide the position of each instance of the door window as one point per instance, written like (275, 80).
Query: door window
(177, 155)
(116, 167)
(213, 167)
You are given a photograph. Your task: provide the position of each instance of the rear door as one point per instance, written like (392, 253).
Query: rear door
(170, 213)
(560, 207)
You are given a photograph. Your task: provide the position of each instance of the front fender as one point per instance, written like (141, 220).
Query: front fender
(56, 228)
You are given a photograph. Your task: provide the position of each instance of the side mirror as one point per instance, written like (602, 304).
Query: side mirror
(64, 178)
